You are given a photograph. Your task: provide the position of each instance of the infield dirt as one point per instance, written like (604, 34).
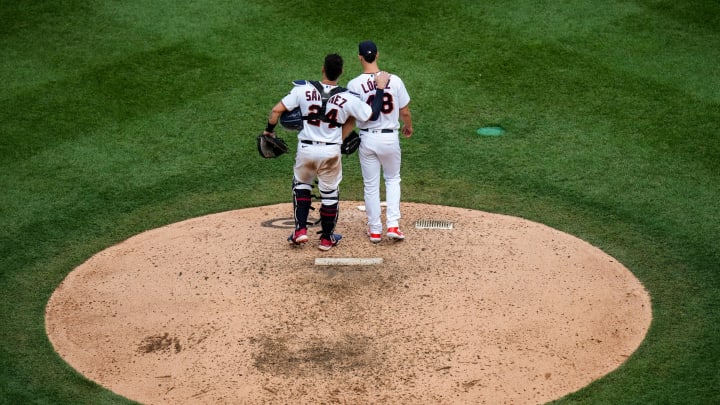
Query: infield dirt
(221, 309)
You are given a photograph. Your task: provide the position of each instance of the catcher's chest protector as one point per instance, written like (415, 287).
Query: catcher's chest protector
(325, 97)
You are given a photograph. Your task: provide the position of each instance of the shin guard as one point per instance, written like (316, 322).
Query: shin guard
(301, 207)
(328, 219)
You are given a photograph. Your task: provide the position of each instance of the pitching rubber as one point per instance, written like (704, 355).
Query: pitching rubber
(347, 261)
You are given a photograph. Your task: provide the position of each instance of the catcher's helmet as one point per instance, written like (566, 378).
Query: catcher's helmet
(292, 120)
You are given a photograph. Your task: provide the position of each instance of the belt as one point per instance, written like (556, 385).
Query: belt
(305, 141)
(376, 131)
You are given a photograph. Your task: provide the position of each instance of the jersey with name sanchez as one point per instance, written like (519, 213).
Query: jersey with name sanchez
(395, 97)
(339, 107)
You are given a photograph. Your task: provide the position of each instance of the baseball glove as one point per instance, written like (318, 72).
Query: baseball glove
(271, 146)
(350, 144)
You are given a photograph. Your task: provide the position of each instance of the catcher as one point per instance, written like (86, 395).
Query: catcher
(328, 112)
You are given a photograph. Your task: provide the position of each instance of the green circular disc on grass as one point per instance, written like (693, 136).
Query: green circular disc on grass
(494, 130)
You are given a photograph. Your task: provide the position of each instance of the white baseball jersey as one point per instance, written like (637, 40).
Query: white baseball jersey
(379, 150)
(339, 108)
(395, 97)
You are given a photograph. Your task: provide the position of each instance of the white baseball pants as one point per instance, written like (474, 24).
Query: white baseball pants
(380, 152)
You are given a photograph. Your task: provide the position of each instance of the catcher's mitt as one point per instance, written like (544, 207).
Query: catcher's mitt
(350, 144)
(271, 147)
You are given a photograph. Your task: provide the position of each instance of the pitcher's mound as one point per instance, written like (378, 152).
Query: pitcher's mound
(221, 309)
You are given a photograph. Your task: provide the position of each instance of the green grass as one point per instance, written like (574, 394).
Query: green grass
(117, 117)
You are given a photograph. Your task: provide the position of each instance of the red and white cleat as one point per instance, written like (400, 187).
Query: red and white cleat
(395, 233)
(327, 244)
(374, 237)
(298, 237)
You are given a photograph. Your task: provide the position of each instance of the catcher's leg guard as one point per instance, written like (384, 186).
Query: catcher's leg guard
(302, 200)
(328, 211)
(328, 219)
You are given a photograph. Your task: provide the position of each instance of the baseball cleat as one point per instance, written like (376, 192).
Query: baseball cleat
(374, 237)
(327, 244)
(395, 233)
(298, 237)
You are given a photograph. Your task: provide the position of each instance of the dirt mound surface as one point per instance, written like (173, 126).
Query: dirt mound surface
(472, 307)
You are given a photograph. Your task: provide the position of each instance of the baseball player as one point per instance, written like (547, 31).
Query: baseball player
(380, 145)
(325, 108)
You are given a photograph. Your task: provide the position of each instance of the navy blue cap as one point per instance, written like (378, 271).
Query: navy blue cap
(367, 48)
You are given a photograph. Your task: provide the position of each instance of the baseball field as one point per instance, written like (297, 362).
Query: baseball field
(117, 118)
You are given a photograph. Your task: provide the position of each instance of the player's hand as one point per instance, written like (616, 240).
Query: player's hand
(407, 131)
(269, 133)
(381, 80)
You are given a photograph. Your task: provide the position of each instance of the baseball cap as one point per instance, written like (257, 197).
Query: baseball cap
(367, 48)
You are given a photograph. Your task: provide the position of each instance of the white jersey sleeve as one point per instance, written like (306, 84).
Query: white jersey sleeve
(395, 97)
(356, 107)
